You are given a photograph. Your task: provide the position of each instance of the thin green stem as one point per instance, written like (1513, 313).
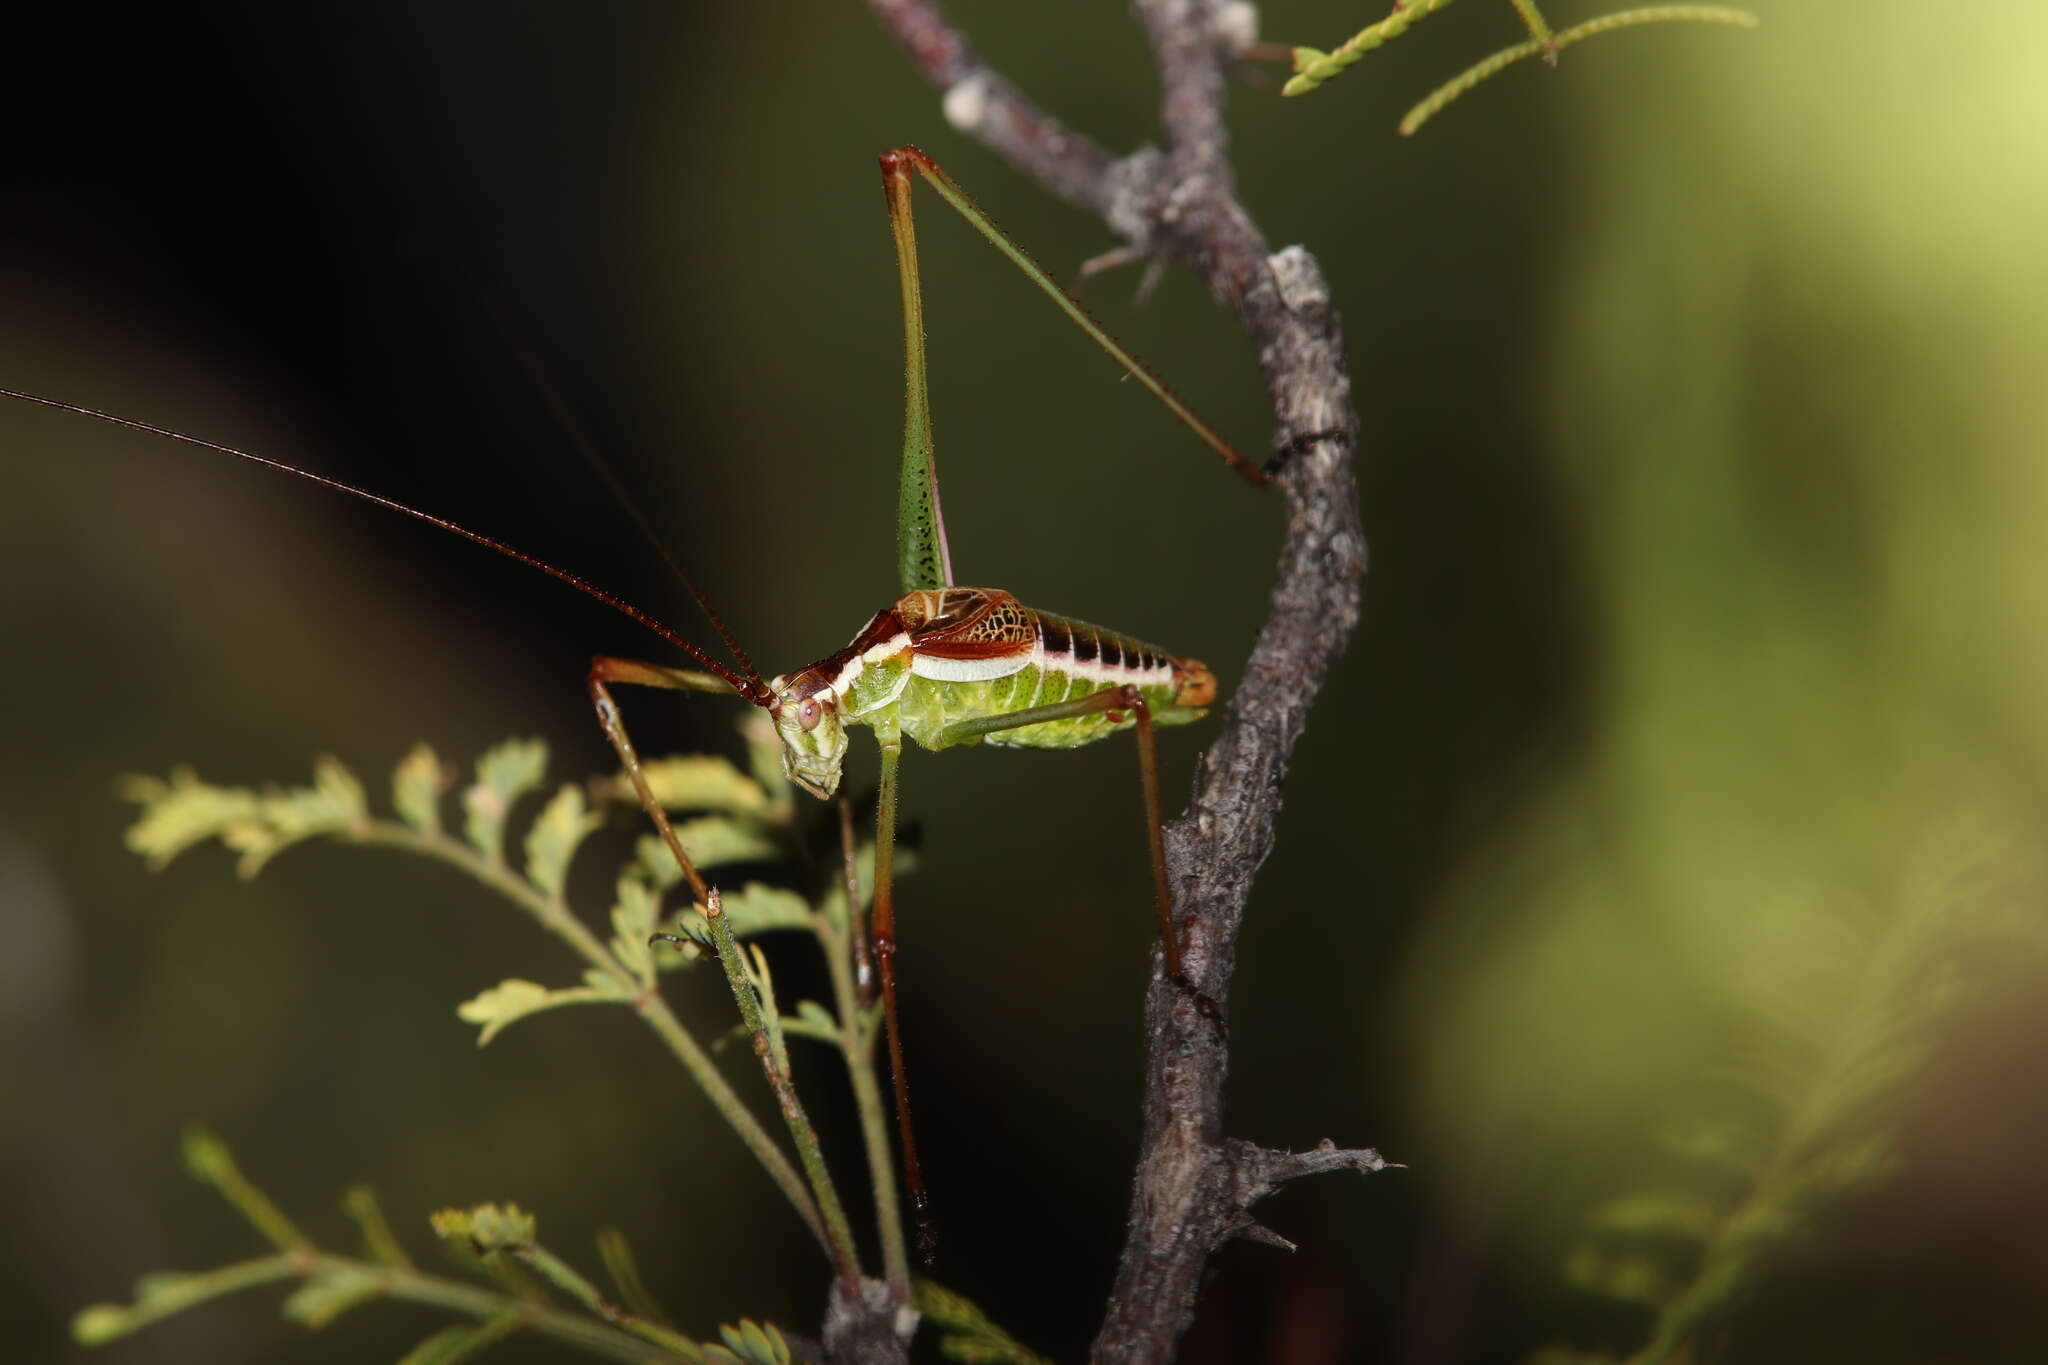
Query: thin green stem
(1436, 101)
(378, 1238)
(1539, 28)
(857, 1045)
(733, 1110)
(838, 1233)
(570, 1281)
(555, 916)
(551, 912)
(209, 1160)
(1312, 68)
(571, 1328)
(624, 1270)
(856, 908)
(103, 1322)
(756, 963)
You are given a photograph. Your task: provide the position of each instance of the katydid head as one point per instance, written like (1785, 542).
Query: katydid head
(806, 713)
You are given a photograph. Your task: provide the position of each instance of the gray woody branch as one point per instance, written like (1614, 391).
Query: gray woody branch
(1194, 1188)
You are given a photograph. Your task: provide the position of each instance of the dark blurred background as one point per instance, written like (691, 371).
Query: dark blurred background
(1701, 386)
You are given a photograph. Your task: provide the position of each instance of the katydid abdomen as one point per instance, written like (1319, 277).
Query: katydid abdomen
(949, 666)
(1070, 660)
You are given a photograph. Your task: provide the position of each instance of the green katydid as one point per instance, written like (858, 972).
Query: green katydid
(944, 665)
(948, 665)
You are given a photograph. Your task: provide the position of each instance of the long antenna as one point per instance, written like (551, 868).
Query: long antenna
(579, 437)
(749, 687)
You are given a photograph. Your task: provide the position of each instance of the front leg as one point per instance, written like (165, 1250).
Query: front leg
(604, 671)
(884, 921)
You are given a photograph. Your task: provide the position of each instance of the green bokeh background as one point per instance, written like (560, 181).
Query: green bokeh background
(1702, 458)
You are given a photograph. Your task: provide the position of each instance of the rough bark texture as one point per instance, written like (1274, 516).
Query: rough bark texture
(1194, 1188)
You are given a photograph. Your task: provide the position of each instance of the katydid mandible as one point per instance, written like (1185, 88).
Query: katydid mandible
(944, 665)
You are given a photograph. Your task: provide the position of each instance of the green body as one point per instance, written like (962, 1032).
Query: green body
(951, 666)
(926, 707)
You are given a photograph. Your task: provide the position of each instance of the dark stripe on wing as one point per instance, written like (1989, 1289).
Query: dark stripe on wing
(972, 649)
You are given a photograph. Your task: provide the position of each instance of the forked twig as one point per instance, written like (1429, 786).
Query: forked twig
(1193, 1188)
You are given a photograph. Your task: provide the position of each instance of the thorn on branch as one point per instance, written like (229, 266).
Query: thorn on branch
(1254, 1231)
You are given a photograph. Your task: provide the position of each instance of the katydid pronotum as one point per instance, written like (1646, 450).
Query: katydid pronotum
(944, 665)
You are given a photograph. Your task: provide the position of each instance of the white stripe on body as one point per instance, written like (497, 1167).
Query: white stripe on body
(854, 666)
(970, 670)
(1063, 663)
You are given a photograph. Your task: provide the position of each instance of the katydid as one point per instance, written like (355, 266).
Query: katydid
(944, 665)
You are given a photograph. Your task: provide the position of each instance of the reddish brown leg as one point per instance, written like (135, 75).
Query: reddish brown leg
(884, 914)
(1155, 833)
(1115, 699)
(604, 670)
(885, 959)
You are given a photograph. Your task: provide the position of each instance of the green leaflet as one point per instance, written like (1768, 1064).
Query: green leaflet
(701, 782)
(416, 787)
(460, 1341)
(1839, 1004)
(330, 1292)
(511, 1000)
(968, 1333)
(565, 823)
(634, 915)
(753, 909)
(258, 826)
(1312, 66)
(749, 1343)
(506, 772)
(1657, 1216)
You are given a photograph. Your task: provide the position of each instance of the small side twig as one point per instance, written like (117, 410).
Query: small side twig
(981, 102)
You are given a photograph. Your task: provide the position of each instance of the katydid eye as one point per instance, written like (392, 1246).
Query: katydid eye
(807, 713)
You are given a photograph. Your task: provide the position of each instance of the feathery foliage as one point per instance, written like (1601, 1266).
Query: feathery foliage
(1835, 1017)
(734, 817)
(966, 1334)
(1312, 66)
